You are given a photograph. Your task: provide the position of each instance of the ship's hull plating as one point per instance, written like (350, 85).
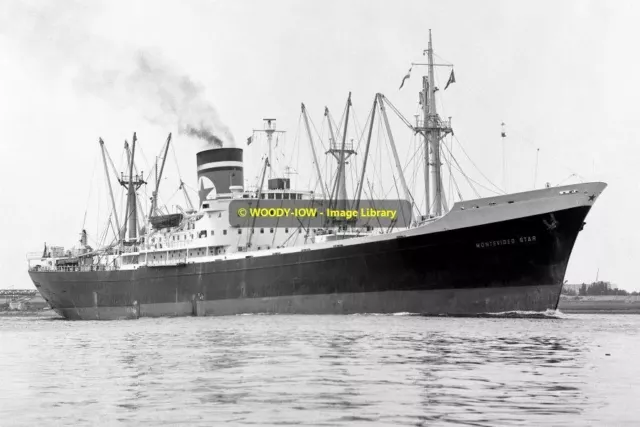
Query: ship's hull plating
(509, 265)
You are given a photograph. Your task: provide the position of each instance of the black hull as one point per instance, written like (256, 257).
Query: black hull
(512, 265)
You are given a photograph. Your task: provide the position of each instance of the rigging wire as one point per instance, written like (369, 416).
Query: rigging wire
(470, 180)
(500, 191)
(451, 176)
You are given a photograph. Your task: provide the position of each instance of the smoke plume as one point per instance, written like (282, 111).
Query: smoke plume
(59, 37)
(178, 97)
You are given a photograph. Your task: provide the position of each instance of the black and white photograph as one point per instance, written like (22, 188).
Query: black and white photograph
(319, 213)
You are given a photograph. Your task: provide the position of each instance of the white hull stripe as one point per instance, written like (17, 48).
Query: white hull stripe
(227, 164)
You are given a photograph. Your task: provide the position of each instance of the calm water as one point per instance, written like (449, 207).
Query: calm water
(321, 370)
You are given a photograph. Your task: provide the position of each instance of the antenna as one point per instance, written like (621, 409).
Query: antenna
(503, 135)
(535, 175)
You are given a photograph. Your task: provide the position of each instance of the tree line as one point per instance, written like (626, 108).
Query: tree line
(596, 288)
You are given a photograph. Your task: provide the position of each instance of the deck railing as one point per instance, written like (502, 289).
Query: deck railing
(75, 268)
(170, 261)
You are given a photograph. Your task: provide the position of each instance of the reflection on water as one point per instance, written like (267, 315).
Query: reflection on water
(321, 370)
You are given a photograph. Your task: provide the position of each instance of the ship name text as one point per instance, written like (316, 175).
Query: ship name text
(506, 242)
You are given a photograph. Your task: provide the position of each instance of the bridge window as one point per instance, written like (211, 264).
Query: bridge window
(262, 231)
(286, 230)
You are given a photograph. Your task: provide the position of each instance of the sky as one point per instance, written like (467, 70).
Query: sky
(561, 75)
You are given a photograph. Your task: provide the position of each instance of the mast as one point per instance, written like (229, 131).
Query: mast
(133, 226)
(269, 129)
(113, 203)
(253, 221)
(383, 113)
(140, 224)
(366, 153)
(186, 197)
(425, 119)
(154, 196)
(332, 143)
(341, 153)
(434, 130)
(313, 150)
(131, 183)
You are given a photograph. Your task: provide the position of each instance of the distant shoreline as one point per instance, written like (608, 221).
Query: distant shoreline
(29, 313)
(605, 304)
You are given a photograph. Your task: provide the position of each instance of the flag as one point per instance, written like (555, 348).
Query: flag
(452, 79)
(405, 78)
(249, 140)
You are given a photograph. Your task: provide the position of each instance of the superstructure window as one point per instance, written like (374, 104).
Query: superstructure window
(239, 230)
(224, 232)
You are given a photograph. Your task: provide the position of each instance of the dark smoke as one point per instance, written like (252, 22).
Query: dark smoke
(204, 135)
(179, 96)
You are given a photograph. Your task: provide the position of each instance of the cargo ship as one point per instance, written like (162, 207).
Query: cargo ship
(495, 254)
